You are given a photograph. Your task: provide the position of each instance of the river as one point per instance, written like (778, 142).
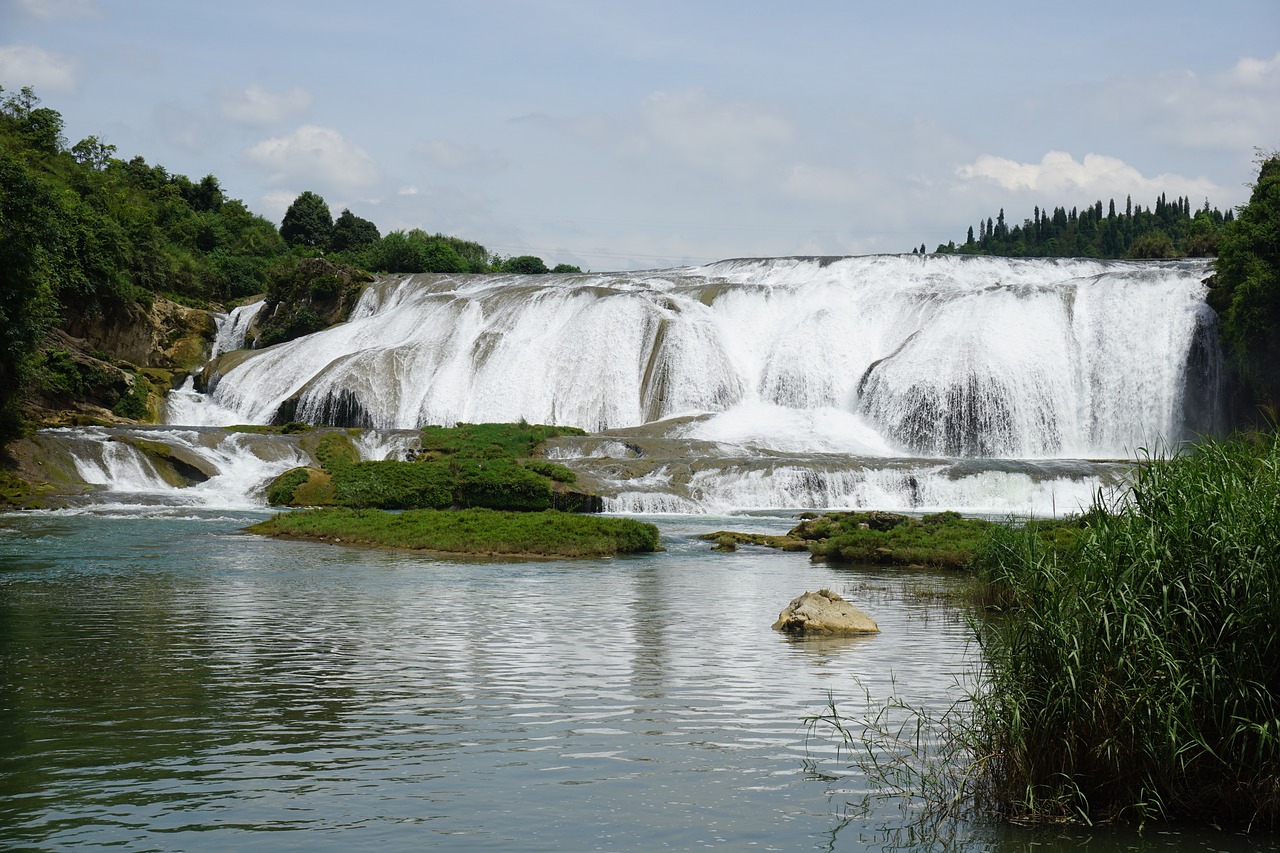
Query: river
(171, 683)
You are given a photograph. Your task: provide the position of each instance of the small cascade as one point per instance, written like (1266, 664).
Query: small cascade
(233, 327)
(641, 474)
(192, 467)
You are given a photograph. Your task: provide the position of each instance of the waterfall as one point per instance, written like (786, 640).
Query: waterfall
(889, 355)
(233, 327)
(895, 382)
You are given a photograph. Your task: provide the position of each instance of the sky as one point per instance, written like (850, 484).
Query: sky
(639, 135)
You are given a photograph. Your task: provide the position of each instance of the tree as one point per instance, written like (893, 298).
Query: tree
(352, 232)
(1246, 286)
(307, 222)
(30, 237)
(525, 265)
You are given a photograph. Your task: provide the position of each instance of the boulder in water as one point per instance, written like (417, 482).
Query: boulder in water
(824, 614)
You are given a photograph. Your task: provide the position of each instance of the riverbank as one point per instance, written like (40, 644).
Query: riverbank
(476, 532)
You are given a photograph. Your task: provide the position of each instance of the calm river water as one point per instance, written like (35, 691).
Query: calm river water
(169, 683)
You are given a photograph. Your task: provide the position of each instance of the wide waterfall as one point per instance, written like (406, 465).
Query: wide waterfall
(904, 382)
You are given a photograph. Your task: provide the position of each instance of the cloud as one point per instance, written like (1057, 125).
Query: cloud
(23, 65)
(52, 9)
(256, 107)
(738, 140)
(1097, 176)
(471, 159)
(181, 127)
(276, 202)
(314, 155)
(1233, 109)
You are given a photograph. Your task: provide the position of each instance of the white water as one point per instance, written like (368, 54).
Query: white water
(233, 327)
(891, 355)
(768, 384)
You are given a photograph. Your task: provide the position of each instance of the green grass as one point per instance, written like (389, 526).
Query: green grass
(942, 540)
(1136, 675)
(474, 531)
(490, 441)
(470, 465)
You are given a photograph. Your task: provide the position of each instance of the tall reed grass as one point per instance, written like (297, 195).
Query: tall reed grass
(1136, 674)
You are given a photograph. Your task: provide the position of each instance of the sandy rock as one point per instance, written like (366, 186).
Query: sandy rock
(824, 614)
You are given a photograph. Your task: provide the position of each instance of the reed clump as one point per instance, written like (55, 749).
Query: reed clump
(1136, 674)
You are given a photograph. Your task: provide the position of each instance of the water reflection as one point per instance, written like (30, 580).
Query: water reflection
(171, 683)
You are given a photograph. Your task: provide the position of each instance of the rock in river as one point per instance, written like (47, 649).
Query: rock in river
(824, 614)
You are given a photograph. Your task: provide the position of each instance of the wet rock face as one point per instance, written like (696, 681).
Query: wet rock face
(824, 614)
(163, 335)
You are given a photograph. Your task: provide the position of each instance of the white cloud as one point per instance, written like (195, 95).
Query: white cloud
(256, 107)
(181, 127)
(276, 202)
(739, 140)
(472, 159)
(23, 65)
(1059, 175)
(315, 156)
(1234, 109)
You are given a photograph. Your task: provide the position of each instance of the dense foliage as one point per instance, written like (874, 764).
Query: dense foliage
(1246, 288)
(1168, 229)
(468, 465)
(1138, 675)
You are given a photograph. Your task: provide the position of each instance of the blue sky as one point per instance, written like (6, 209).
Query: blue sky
(623, 135)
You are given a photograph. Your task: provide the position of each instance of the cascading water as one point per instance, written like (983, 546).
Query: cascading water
(233, 327)
(935, 355)
(773, 383)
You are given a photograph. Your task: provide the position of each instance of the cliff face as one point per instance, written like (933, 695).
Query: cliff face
(116, 368)
(164, 335)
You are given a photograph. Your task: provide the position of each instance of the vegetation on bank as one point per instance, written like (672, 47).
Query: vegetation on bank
(470, 489)
(473, 531)
(1246, 287)
(464, 466)
(1138, 674)
(945, 540)
(1130, 669)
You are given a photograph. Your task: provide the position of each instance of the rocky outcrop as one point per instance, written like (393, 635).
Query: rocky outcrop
(316, 294)
(163, 335)
(824, 614)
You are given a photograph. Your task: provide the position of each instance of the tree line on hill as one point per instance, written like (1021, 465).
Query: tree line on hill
(1168, 229)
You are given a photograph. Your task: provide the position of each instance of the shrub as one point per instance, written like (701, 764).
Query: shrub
(282, 489)
(1138, 675)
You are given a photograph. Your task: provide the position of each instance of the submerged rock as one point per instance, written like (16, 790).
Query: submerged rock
(824, 614)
